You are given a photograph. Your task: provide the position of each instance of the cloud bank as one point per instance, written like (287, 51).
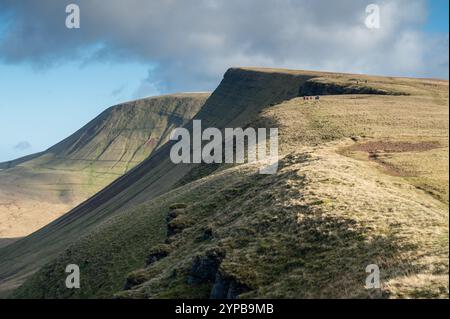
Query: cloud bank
(189, 44)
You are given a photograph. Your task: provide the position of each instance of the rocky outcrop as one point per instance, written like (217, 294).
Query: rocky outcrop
(244, 92)
(135, 278)
(177, 220)
(205, 267)
(157, 253)
(317, 87)
(227, 287)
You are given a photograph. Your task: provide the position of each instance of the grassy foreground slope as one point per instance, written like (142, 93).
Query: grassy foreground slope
(348, 193)
(37, 189)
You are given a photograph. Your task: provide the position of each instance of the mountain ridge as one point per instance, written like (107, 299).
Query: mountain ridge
(130, 214)
(55, 180)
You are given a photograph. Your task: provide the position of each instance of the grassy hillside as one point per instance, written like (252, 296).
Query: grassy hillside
(37, 189)
(349, 192)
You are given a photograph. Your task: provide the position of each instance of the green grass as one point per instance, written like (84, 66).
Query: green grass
(88, 160)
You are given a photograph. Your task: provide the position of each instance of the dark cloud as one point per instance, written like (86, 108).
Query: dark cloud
(193, 42)
(22, 146)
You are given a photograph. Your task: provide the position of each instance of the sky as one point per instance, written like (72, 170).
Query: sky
(53, 80)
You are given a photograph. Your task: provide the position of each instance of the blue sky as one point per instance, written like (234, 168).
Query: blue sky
(42, 106)
(45, 95)
(437, 16)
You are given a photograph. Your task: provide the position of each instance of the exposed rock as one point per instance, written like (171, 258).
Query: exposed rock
(172, 215)
(227, 287)
(135, 278)
(176, 222)
(316, 87)
(207, 233)
(205, 267)
(157, 253)
(177, 206)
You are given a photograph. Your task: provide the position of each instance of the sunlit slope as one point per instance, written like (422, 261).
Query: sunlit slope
(37, 189)
(308, 231)
(305, 232)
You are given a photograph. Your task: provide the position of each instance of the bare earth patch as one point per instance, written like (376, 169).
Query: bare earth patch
(380, 151)
(394, 147)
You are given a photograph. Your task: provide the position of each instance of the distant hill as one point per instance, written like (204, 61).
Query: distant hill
(36, 189)
(18, 161)
(363, 179)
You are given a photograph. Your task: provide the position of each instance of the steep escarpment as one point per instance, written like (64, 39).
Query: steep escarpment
(323, 86)
(240, 96)
(37, 189)
(244, 92)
